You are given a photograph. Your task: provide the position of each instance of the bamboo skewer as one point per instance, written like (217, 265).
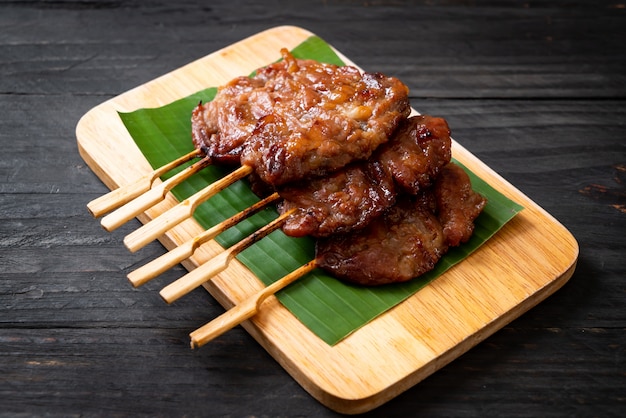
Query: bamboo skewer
(178, 254)
(219, 263)
(128, 201)
(184, 210)
(245, 310)
(153, 196)
(124, 194)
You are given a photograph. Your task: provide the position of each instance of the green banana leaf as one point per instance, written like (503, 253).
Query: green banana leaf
(330, 308)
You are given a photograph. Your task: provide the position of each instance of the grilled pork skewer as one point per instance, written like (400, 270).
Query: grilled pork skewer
(346, 200)
(294, 119)
(405, 242)
(291, 120)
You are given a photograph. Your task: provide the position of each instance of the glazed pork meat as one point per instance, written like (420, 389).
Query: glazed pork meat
(457, 204)
(409, 238)
(373, 185)
(404, 243)
(421, 147)
(352, 197)
(220, 128)
(340, 202)
(300, 118)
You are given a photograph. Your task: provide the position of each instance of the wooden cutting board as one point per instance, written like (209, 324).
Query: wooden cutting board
(524, 263)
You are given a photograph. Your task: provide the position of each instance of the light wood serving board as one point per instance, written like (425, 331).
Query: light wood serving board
(524, 263)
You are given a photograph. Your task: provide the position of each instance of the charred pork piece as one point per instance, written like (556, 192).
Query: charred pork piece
(419, 149)
(220, 128)
(457, 204)
(300, 118)
(405, 242)
(347, 199)
(409, 238)
(350, 198)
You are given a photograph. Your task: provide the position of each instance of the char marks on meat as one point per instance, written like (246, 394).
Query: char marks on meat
(347, 199)
(375, 186)
(351, 197)
(404, 243)
(409, 238)
(457, 204)
(420, 148)
(300, 118)
(221, 128)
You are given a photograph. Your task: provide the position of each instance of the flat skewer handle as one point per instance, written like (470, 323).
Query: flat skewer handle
(124, 194)
(186, 250)
(217, 264)
(245, 310)
(153, 196)
(119, 196)
(184, 210)
(160, 265)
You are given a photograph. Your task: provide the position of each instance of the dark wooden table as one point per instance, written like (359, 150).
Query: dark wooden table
(536, 89)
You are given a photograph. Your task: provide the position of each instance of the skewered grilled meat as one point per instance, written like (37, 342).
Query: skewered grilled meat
(300, 118)
(457, 204)
(347, 199)
(419, 149)
(220, 128)
(350, 198)
(408, 239)
(375, 186)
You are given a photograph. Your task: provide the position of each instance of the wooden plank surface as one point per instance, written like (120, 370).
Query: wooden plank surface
(537, 90)
(527, 261)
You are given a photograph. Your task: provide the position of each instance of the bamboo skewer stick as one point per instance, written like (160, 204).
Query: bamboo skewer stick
(219, 263)
(245, 310)
(184, 210)
(178, 254)
(124, 194)
(133, 208)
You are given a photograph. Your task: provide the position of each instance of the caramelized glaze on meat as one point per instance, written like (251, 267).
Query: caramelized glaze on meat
(350, 198)
(347, 199)
(300, 118)
(419, 149)
(220, 128)
(404, 243)
(409, 238)
(457, 204)
(375, 186)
